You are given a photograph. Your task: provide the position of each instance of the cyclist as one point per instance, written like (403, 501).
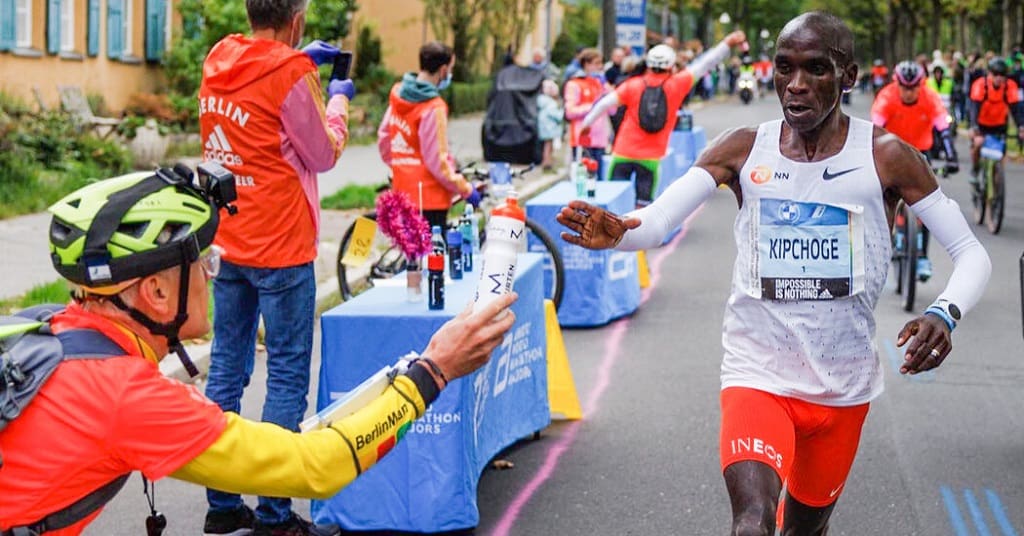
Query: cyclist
(637, 149)
(992, 99)
(797, 381)
(910, 110)
(764, 72)
(98, 419)
(413, 138)
(943, 85)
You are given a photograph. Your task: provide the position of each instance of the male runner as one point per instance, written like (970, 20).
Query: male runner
(800, 365)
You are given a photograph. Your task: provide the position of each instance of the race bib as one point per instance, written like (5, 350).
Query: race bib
(807, 251)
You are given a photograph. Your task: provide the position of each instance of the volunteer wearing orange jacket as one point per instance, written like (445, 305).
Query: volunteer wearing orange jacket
(637, 150)
(262, 116)
(582, 91)
(96, 419)
(413, 137)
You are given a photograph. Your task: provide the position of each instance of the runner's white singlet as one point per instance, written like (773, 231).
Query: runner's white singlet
(813, 253)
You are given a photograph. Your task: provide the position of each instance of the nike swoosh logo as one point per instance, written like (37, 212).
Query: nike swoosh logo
(829, 176)
(833, 492)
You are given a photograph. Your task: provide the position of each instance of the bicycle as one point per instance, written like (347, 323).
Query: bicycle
(989, 193)
(385, 260)
(907, 238)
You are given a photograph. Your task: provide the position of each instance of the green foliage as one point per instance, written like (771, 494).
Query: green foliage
(564, 50)
(350, 197)
(368, 52)
(13, 105)
(54, 292)
(468, 97)
(582, 25)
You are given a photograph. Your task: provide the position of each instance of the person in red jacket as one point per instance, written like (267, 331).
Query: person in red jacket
(262, 116)
(993, 99)
(413, 137)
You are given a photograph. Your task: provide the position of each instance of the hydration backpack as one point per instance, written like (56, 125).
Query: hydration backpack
(29, 353)
(653, 109)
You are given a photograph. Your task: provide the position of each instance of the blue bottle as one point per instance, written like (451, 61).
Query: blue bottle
(455, 254)
(467, 226)
(437, 240)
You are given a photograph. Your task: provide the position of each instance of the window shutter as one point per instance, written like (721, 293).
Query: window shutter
(115, 28)
(156, 24)
(53, 26)
(8, 35)
(93, 30)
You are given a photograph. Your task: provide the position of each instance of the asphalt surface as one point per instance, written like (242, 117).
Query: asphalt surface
(941, 454)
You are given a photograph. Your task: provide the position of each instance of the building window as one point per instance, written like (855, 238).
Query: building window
(67, 26)
(127, 29)
(23, 23)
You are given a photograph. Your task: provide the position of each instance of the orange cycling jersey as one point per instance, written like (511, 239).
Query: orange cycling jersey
(95, 420)
(994, 102)
(911, 122)
(635, 142)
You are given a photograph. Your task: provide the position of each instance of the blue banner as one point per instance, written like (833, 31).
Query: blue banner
(630, 24)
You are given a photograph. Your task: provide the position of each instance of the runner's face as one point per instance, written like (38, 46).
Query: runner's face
(807, 79)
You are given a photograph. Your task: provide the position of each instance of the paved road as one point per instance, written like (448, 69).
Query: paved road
(940, 453)
(937, 452)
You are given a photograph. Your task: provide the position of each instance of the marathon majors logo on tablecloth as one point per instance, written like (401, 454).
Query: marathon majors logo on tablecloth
(806, 251)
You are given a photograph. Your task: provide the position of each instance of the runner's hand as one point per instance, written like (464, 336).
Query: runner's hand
(735, 38)
(925, 333)
(595, 227)
(464, 343)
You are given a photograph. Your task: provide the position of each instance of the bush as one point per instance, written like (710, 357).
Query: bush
(469, 97)
(13, 105)
(351, 196)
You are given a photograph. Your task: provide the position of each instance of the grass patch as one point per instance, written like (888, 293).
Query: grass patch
(53, 292)
(351, 196)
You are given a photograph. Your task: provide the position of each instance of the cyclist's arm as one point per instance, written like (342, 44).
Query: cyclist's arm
(317, 135)
(879, 109)
(384, 138)
(433, 134)
(602, 107)
(971, 264)
(718, 165)
(264, 459)
(974, 103)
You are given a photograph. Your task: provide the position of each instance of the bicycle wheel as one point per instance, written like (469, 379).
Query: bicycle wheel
(383, 262)
(978, 193)
(910, 261)
(899, 247)
(995, 201)
(538, 241)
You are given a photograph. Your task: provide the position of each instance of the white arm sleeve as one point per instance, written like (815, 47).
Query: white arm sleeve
(600, 108)
(673, 206)
(703, 63)
(971, 265)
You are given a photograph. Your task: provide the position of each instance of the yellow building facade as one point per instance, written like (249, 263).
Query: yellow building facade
(110, 48)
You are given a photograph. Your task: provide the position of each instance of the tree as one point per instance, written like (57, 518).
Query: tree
(508, 22)
(461, 21)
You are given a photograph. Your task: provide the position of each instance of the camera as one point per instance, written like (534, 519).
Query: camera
(218, 184)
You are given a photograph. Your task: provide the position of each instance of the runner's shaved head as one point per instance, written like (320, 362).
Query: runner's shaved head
(829, 30)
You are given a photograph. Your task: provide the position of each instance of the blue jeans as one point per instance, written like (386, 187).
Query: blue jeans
(286, 298)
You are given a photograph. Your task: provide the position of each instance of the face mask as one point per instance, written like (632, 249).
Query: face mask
(445, 83)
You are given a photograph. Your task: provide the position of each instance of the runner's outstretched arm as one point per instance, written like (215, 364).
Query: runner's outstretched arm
(703, 63)
(600, 108)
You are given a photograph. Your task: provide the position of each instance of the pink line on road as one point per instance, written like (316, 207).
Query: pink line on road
(613, 343)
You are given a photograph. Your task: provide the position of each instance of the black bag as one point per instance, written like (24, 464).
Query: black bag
(510, 132)
(653, 110)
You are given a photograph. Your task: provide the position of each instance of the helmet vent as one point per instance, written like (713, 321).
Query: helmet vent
(75, 202)
(134, 230)
(197, 208)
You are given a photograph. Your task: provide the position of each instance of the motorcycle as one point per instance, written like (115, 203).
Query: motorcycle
(746, 85)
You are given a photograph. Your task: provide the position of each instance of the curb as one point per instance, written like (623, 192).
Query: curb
(326, 290)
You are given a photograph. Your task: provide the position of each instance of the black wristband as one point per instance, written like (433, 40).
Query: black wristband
(425, 383)
(436, 369)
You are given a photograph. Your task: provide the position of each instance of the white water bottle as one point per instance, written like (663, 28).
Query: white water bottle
(505, 234)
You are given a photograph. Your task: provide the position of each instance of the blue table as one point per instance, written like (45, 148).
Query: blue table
(427, 483)
(600, 286)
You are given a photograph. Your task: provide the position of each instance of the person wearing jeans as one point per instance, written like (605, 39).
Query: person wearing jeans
(262, 115)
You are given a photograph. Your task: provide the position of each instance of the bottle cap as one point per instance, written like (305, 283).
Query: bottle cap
(435, 229)
(591, 165)
(435, 263)
(510, 209)
(454, 238)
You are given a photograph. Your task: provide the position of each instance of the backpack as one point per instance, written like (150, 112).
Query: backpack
(653, 108)
(510, 132)
(29, 353)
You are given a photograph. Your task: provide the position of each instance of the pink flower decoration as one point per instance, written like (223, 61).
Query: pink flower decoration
(402, 222)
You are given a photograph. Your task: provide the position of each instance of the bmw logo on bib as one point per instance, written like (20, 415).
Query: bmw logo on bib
(789, 212)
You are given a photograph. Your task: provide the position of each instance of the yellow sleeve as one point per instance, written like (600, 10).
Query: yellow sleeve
(256, 458)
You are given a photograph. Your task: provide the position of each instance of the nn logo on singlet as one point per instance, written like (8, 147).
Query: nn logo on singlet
(218, 148)
(762, 174)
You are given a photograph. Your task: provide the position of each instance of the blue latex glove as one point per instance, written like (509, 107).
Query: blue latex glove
(341, 87)
(474, 198)
(321, 52)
